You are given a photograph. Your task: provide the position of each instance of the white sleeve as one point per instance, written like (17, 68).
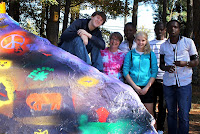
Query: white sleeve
(192, 48)
(162, 49)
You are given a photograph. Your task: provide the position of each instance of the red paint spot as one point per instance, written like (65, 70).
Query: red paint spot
(47, 54)
(73, 100)
(2, 94)
(103, 114)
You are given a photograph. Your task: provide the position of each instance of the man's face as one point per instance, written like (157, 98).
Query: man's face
(173, 29)
(97, 20)
(129, 32)
(160, 31)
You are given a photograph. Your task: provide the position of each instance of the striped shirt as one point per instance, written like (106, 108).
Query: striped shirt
(155, 46)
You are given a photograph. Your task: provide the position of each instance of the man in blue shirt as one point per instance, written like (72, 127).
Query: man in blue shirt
(83, 36)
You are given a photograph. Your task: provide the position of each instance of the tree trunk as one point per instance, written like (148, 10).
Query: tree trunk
(196, 23)
(66, 15)
(189, 26)
(72, 17)
(164, 11)
(196, 37)
(126, 10)
(135, 11)
(14, 9)
(42, 20)
(53, 23)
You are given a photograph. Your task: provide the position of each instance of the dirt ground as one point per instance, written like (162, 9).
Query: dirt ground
(194, 112)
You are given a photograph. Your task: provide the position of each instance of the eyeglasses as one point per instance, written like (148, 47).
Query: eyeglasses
(115, 39)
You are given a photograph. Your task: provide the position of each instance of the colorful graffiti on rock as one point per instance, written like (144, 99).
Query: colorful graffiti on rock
(40, 73)
(2, 25)
(44, 89)
(41, 132)
(15, 42)
(6, 91)
(54, 99)
(5, 64)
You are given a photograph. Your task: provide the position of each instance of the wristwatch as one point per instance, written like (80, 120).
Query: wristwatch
(187, 63)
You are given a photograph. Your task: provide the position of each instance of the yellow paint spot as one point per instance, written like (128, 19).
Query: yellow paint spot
(9, 87)
(88, 81)
(3, 26)
(2, 7)
(40, 121)
(40, 132)
(5, 64)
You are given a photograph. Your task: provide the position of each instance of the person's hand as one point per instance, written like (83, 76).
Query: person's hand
(82, 32)
(170, 68)
(137, 89)
(85, 39)
(144, 91)
(180, 63)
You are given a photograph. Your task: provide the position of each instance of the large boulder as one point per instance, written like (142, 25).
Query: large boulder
(46, 90)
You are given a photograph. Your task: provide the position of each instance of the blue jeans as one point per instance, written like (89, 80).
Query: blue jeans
(181, 97)
(77, 48)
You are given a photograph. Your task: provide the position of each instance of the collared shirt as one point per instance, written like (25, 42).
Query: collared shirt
(124, 46)
(182, 51)
(155, 46)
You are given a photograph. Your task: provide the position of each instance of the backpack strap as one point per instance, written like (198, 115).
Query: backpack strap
(131, 55)
(150, 59)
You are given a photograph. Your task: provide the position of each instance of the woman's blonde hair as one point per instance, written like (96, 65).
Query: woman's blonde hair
(147, 48)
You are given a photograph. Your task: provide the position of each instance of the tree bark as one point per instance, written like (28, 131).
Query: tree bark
(66, 15)
(126, 10)
(189, 25)
(164, 11)
(42, 30)
(196, 22)
(135, 11)
(53, 24)
(14, 9)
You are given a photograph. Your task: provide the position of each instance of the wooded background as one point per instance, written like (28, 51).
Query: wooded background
(42, 17)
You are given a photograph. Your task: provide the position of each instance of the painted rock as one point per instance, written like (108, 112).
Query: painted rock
(46, 90)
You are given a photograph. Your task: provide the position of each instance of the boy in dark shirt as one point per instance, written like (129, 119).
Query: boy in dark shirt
(83, 36)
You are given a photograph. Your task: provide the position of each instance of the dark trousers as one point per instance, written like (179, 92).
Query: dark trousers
(159, 98)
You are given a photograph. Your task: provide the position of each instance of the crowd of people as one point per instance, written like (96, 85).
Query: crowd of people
(159, 70)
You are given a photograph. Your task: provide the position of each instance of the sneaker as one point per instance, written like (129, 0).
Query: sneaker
(160, 132)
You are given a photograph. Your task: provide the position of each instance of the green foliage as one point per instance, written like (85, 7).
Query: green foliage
(51, 2)
(30, 17)
(106, 35)
(148, 31)
(177, 9)
(31, 28)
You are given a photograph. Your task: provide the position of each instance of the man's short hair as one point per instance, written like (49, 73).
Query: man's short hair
(174, 21)
(160, 23)
(131, 24)
(102, 14)
(117, 35)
